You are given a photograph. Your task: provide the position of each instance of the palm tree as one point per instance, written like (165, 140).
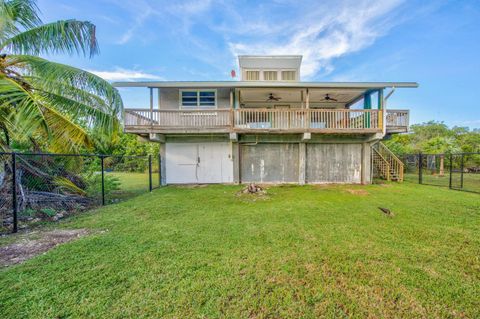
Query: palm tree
(44, 102)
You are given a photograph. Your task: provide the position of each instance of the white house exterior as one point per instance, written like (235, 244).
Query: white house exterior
(269, 127)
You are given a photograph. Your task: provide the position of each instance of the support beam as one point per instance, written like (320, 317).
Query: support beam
(307, 102)
(233, 136)
(163, 168)
(151, 106)
(302, 163)
(363, 177)
(236, 163)
(306, 136)
(156, 137)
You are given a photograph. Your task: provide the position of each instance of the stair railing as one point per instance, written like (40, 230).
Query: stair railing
(396, 165)
(380, 164)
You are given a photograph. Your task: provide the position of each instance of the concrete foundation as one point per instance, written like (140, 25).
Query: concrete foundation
(290, 158)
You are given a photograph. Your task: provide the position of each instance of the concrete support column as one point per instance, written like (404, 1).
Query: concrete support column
(163, 167)
(236, 162)
(366, 163)
(302, 163)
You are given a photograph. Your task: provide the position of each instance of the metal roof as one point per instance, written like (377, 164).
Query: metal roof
(265, 84)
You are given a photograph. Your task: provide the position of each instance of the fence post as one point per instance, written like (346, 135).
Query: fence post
(14, 192)
(103, 179)
(450, 168)
(420, 168)
(461, 172)
(150, 172)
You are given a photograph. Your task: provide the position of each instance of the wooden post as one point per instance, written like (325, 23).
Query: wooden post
(442, 168)
(307, 106)
(151, 106)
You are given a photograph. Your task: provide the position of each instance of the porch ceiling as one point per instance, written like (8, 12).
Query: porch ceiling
(259, 95)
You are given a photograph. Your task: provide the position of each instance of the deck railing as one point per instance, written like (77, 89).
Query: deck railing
(398, 118)
(264, 119)
(178, 118)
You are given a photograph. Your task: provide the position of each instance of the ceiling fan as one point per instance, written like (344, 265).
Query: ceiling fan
(328, 98)
(272, 98)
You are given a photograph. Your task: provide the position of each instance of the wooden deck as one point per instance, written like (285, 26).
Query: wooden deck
(264, 120)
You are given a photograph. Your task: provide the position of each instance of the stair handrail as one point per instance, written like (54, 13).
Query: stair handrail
(395, 160)
(385, 163)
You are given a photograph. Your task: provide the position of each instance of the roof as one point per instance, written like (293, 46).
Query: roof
(266, 84)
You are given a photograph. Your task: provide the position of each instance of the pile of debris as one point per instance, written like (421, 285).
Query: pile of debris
(254, 189)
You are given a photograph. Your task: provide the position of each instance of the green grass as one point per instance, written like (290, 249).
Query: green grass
(131, 184)
(300, 252)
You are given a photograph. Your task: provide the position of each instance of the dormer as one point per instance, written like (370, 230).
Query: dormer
(270, 67)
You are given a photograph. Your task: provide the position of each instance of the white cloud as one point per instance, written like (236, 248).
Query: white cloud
(324, 33)
(120, 74)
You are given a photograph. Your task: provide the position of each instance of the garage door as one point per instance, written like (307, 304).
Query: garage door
(334, 163)
(269, 163)
(191, 163)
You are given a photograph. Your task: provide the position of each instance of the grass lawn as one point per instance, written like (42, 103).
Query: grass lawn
(300, 251)
(131, 183)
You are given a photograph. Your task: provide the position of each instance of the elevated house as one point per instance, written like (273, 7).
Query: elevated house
(270, 127)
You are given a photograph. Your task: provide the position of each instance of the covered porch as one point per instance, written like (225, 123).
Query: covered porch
(274, 107)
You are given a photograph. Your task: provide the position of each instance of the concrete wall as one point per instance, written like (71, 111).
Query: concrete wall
(275, 158)
(334, 163)
(169, 98)
(287, 158)
(269, 163)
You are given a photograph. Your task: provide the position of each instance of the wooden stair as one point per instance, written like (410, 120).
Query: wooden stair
(385, 164)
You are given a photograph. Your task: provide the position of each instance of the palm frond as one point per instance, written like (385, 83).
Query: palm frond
(35, 117)
(16, 13)
(65, 36)
(52, 73)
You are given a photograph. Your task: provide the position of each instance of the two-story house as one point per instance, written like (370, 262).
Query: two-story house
(269, 127)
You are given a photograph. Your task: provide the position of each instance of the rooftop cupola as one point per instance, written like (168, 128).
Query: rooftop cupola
(270, 67)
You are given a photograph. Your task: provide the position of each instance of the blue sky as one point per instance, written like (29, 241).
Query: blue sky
(435, 43)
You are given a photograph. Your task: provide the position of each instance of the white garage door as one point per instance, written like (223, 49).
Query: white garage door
(190, 163)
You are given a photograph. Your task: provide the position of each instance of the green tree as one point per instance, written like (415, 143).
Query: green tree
(44, 104)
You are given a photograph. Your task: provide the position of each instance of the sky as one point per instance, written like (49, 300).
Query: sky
(435, 43)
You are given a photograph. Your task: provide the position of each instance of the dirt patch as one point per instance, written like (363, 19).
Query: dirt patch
(359, 192)
(35, 244)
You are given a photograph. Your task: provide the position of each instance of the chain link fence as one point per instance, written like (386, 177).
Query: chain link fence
(460, 171)
(37, 188)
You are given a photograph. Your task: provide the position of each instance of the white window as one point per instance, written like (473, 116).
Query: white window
(252, 75)
(288, 75)
(270, 75)
(198, 98)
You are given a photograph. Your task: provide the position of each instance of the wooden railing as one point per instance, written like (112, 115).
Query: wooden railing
(337, 120)
(398, 119)
(179, 118)
(381, 167)
(395, 165)
(303, 119)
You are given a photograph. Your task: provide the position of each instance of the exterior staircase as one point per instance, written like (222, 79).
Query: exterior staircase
(385, 164)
